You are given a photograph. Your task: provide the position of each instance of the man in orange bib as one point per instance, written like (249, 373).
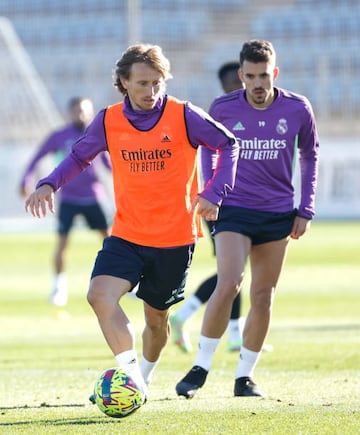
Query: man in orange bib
(152, 139)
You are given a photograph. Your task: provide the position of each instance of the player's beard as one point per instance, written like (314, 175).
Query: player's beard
(257, 97)
(262, 99)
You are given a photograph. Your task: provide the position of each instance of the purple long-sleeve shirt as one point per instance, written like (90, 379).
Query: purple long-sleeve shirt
(201, 129)
(270, 140)
(84, 189)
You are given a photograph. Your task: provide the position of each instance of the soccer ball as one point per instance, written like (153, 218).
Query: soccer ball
(116, 394)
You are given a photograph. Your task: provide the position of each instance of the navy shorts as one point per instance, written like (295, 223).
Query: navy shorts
(93, 214)
(211, 226)
(259, 226)
(160, 272)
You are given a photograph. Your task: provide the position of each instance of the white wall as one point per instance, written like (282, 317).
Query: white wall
(338, 195)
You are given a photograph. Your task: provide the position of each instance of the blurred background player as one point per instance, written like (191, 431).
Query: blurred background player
(228, 75)
(81, 196)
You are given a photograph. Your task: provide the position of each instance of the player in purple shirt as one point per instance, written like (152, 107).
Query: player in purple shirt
(81, 196)
(257, 218)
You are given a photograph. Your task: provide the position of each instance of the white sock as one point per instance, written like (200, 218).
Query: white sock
(58, 295)
(188, 308)
(128, 361)
(247, 362)
(59, 281)
(242, 321)
(207, 347)
(147, 369)
(234, 332)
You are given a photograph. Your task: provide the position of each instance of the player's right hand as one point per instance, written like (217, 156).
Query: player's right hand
(36, 202)
(205, 208)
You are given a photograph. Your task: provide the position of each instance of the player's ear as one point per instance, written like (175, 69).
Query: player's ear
(123, 82)
(276, 72)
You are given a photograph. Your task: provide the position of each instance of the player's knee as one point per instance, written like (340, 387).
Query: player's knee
(263, 299)
(230, 285)
(156, 321)
(92, 296)
(98, 298)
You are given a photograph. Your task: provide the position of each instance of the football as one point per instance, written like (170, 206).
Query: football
(116, 393)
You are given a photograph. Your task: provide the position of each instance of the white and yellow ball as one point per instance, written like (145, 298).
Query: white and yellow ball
(116, 394)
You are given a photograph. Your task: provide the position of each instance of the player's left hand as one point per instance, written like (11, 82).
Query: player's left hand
(37, 201)
(301, 225)
(207, 209)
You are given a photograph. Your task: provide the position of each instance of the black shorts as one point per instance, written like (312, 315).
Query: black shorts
(160, 272)
(211, 226)
(93, 214)
(259, 226)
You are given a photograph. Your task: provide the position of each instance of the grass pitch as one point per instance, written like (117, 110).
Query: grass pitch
(51, 357)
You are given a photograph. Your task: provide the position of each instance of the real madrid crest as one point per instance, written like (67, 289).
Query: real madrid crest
(282, 126)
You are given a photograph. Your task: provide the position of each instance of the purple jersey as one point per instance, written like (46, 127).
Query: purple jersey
(202, 130)
(83, 190)
(269, 141)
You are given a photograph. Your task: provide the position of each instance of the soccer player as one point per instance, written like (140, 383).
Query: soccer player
(152, 139)
(257, 218)
(228, 75)
(82, 196)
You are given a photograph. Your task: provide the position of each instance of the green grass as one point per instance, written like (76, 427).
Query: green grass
(51, 357)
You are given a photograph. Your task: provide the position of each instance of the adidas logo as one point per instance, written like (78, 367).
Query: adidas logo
(165, 139)
(172, 297)
(238, 126)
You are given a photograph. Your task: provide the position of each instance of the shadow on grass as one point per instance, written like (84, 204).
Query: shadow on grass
(62, 422)
(43, 405)
(101, 419)
(54, 421)
(65, 405)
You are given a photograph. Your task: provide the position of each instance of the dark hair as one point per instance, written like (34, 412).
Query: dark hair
(75, 101)
(152, 55)
(227, 67)
(257, 50)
